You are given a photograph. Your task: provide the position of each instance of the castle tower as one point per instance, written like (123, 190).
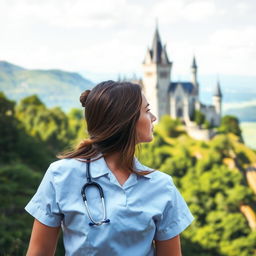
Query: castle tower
(156, 78)
(194, 75)
(217, 100)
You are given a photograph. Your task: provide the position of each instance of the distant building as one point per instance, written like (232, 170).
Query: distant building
(178, 99)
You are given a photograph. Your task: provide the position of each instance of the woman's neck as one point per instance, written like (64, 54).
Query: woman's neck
(114, 161)
(114, 164)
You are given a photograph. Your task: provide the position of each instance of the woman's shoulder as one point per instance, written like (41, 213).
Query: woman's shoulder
(155, 176)
(65, 165)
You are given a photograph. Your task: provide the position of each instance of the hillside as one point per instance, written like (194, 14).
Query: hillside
(54, 87)
(218, 181)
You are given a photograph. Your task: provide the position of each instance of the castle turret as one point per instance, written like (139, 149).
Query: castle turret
(156, 78)
(194, 75)
(217, 100)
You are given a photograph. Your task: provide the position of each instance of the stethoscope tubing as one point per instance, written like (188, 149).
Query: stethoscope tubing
(91, 183)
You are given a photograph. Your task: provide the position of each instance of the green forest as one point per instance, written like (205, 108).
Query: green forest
(215, 177)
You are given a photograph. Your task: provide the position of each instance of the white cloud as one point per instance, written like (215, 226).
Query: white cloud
(172, 12)
(199, 10)
(168, 12)
(65, 13)
(242, 7)
(112, 35)
(230, 51)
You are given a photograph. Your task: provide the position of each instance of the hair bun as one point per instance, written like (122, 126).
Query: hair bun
(84, 96)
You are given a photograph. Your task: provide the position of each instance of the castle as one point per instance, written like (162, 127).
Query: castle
(177, 99)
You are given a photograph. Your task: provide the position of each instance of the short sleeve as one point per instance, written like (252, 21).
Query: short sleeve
(175, 218)
(43, 205)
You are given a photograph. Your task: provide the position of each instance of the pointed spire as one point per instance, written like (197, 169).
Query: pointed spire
(164, 56)
(157, 53)
(217, 91)
(157, 46)
(194, 62)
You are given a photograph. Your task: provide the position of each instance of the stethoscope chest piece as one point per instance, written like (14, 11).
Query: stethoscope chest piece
(85, 187)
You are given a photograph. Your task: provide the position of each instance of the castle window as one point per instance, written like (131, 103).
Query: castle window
(179, 113)
(163, 74)
(178, 99)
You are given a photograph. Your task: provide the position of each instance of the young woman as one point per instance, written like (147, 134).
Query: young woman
(142, 212)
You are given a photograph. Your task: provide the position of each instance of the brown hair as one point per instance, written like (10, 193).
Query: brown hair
(112, 110)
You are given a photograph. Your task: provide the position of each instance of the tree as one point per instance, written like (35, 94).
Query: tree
(170, 127)
(199, 117)
(230, 124)
(8, 131)
(18, 183)
(15, 143)
(23, 160)
(50, 126)
(77, 126)
(213, 190)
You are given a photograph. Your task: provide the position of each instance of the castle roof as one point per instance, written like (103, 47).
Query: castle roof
(194, 63)
(217, 91)
(187, 86)
(164, 56)
(158, 52)
(156, 47)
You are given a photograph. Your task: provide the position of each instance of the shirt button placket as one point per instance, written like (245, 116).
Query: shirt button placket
(120, 190)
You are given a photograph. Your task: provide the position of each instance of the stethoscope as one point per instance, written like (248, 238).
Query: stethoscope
(93, 184)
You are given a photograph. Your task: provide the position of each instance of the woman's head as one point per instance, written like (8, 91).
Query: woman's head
(112, 110)
(117, 119)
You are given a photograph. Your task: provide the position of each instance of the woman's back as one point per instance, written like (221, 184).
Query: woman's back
(136, 209)
(105, 201)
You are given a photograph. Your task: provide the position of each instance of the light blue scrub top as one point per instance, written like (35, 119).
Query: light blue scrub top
(143, 209)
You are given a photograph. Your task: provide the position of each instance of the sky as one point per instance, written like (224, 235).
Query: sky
(111, 36)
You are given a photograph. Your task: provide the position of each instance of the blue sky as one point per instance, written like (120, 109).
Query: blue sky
(111, 36)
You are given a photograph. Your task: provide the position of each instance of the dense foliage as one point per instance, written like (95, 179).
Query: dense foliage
(230, 124)
(30, 137)
(210, 175)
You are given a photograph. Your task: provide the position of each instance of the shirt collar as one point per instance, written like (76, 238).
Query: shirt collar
(100, 168)
(140, 167)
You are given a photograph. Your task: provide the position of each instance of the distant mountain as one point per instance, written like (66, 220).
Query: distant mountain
(244, 114)
(54, 87)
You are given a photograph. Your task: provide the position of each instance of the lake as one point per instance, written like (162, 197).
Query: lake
(249, 133)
